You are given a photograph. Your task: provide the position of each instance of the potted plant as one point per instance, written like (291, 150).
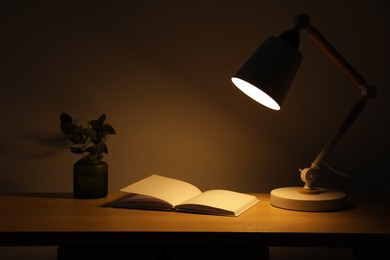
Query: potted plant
(90, 173)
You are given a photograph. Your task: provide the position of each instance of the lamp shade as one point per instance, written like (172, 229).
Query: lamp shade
(269, 72)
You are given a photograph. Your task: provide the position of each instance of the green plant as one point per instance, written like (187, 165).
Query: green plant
(89, 141)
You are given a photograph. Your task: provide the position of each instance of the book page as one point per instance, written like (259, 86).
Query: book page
(136, 201)
(167, 189)
(221, 202)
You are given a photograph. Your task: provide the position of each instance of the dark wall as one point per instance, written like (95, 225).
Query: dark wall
(161, 72)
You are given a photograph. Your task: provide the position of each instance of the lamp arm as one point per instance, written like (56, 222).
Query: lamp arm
(366, 91)
(308, 175)
(340, 131)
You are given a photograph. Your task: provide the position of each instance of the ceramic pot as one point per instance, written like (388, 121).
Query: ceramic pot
(90, 179)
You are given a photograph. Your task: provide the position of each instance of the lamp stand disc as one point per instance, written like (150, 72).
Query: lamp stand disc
(290, 198)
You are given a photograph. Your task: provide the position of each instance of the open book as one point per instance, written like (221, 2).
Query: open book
(162, 193)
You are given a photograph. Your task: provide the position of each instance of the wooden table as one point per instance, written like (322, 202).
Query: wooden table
(49, 219)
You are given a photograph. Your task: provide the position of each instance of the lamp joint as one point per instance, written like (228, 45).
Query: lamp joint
(302, 21)
(368, 91)
(309, 176)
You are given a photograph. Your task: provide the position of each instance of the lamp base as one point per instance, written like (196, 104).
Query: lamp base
(290, 198)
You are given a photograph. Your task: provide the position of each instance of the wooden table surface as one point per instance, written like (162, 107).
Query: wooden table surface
(58, 219)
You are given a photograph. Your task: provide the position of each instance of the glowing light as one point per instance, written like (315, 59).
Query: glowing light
(255, 93)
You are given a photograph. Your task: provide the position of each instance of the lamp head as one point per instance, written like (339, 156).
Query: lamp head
(269, 72)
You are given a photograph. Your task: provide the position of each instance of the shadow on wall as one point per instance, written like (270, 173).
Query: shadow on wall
(53, 142)
(36, 146)
(33, 147)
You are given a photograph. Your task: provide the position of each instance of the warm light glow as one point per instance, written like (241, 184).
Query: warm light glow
(255, 93)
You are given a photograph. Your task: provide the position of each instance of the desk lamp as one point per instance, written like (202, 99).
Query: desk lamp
(266, 78)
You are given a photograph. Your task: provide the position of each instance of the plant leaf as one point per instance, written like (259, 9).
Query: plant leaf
(95, 123)
(76, 150)
(77, 136)
(102, 118)
(73, 138)
(102, 148)
(66, 118)
(109, 129)
(67, 128)
(87, 142)
(90, 133)
(91, 149)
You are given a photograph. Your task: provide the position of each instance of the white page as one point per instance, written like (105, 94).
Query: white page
(222, 199)
(171, 190)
